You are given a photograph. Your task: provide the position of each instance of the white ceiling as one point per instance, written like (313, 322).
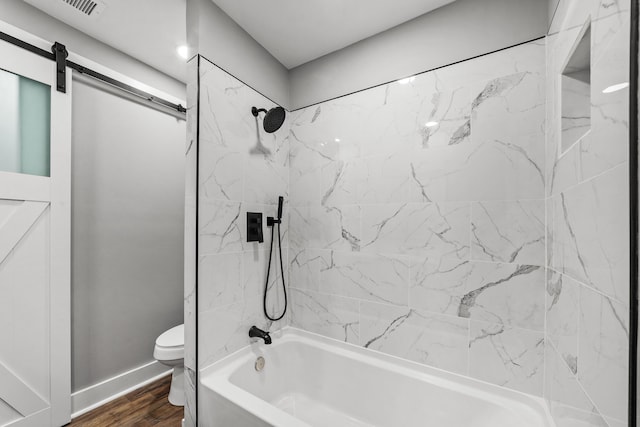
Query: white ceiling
(293, 31)
(148, 30)
(298, 31)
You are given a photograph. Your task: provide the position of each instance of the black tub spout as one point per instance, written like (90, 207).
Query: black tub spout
(256, 332)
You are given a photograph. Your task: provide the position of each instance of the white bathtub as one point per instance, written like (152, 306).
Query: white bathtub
(312, 381)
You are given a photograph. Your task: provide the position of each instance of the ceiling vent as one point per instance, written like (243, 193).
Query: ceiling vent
(90, 8)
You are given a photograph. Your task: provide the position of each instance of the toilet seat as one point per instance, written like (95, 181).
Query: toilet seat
(170, 345)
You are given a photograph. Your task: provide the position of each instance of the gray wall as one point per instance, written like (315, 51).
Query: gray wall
(127, 212)
(461, 30)
(551, 9)
(214, 35)
(36, 22)
(127, 231)
(458, 31)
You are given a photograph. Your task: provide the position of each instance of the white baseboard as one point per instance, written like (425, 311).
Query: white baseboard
(85, 400)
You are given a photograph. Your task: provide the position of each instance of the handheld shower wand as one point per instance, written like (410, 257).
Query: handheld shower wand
(272, 222)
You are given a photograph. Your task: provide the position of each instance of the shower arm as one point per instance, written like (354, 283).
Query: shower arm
(255, 111)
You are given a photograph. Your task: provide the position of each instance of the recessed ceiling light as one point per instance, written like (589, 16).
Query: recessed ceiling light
(337, 140)
(615, 88)
(431, 124)
(407, 80)
(183, 51)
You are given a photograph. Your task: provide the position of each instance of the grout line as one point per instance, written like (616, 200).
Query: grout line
(360, 341)
(468, 348)
(416, 203)
(545, 266)
(421, 72)
(544, 289)
(591, 178)
(577, 380)
(591, 288)
(562, 29)
(470, 231)
(426, 311)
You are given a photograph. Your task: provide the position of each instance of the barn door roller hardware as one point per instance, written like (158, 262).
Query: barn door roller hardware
(60, 52)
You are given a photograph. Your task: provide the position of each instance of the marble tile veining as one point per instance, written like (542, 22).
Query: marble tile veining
(587, 217)
(509, 294)
(590, 227)
(603, 351)
(323, 227)
(508, 231)
(563, 312)
(242, 169)
(431, 230)
(507, 106)
(329, 315)
(220, 228)
(370, 277)
(505, 293)
(190, 230)
(509, 357)
(416, 223)
(565, 395)
(424, 337)
(417, 209)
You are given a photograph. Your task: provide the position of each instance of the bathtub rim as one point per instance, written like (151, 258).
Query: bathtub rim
(216, 377)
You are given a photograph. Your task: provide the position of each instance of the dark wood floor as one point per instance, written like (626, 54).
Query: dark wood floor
(147, 406)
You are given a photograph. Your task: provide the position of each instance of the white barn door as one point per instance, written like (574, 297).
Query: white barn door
(35, 157)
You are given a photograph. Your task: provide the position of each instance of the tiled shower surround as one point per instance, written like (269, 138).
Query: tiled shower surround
(587, 225)
(427, 242)
(242, 170)
(434, 219)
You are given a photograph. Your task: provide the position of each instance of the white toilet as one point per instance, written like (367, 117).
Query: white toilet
(169, 350)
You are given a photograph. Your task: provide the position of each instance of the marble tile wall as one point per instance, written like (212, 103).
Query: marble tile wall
(587, 301)
(417, 220)
(241, 169)
(434, 219)
(190, 337)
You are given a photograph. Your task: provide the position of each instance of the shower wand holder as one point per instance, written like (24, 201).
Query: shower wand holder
(271, 221)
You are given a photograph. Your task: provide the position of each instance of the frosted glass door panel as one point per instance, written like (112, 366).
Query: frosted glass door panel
(25, 125)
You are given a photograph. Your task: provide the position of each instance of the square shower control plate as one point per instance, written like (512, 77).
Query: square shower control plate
(254, 227)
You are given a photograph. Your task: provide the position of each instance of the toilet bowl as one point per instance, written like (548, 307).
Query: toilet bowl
(169, 351)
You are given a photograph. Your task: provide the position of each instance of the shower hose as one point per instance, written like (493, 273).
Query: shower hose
(266, 284)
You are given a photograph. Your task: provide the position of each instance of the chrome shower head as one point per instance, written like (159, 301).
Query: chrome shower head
(273, 119)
